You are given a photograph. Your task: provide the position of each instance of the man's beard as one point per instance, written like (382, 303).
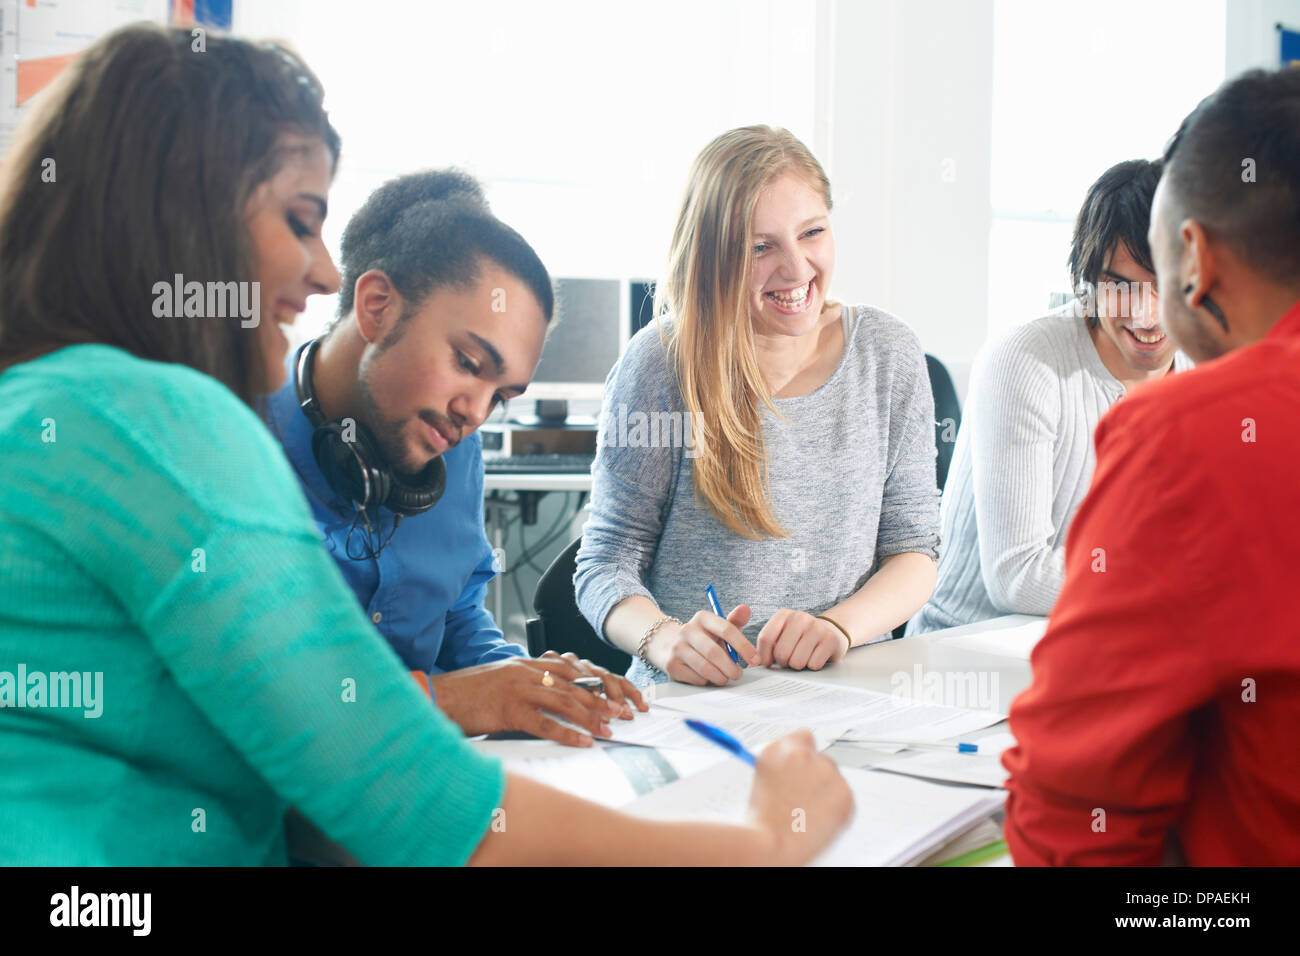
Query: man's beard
(386, 432)
(1200, 340)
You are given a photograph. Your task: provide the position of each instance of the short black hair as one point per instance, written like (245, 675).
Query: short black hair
(1234, 167)
(432, 229)
(1116, 211)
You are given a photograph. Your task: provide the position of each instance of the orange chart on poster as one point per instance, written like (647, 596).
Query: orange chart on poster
(35, 74)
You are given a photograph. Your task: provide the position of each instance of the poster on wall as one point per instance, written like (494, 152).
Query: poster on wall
(38, 38)
(212, 14)
(1289, 41)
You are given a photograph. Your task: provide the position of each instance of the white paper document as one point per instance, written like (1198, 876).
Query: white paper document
(1017, 642)
(867, 715)
(983, 769)
(667, 728)
(897, 820)
(610, 774)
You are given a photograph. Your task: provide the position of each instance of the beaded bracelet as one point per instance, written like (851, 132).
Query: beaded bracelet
(649, 633)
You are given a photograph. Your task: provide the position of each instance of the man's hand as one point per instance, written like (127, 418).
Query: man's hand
(618, 689)
(510, 695)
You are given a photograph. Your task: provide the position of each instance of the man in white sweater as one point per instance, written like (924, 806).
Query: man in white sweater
(1024, 456)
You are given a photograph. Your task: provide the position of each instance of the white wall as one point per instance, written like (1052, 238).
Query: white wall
(904, 130)
(581, 117)
(894, 96)
(1252, 39)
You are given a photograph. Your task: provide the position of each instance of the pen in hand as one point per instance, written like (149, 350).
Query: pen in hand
(712, 595)
(593, 684)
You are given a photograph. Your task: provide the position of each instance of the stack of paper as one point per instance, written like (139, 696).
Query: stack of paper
(984, 769)
(610, 775)
(859, 714)
(979, 837)
(897, 820)
(667, 728)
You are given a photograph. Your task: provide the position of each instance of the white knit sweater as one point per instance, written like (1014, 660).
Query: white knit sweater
(1022, 465)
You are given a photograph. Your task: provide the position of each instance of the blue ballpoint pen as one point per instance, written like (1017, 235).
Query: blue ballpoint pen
(717, 609)
(720, 737)
(961, 748)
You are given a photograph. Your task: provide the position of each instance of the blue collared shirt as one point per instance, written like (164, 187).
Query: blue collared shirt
(425, 590)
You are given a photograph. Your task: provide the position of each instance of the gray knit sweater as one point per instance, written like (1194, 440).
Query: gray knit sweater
(851, 478)
(1021, 467)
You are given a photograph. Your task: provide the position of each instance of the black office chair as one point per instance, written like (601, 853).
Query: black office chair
(947, 419)
(947, 416)
(560, 626)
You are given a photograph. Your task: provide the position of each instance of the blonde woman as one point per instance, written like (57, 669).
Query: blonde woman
(807, 489)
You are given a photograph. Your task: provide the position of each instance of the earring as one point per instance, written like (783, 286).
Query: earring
(1209, 306)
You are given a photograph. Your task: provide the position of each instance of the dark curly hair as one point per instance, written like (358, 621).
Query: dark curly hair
(432, 229)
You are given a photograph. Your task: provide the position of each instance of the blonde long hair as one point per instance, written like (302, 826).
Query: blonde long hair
(711, 338)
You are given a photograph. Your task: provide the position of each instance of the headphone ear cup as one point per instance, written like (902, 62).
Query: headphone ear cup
(412, 499)
(348, 464)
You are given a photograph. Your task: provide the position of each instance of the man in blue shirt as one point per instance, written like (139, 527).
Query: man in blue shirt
(442, 314)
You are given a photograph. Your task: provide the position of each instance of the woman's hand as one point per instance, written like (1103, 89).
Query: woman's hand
(799, 799)
(693, 653)
(797, 640)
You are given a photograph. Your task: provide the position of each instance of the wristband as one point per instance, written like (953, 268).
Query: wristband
(823, 617)
(422, 679)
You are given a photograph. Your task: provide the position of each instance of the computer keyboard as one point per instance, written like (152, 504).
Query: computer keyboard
(538, 464)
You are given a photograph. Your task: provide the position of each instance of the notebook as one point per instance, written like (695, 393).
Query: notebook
(897, 820)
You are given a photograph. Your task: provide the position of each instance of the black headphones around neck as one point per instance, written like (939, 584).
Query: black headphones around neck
(352, 462)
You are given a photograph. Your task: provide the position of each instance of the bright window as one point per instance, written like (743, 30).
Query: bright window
(1079, 87)
(581, 117)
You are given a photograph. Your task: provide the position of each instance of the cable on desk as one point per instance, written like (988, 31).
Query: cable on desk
(519, 592)
(528, 555)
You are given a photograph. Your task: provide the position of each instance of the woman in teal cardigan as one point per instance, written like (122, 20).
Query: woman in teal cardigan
(156, 546)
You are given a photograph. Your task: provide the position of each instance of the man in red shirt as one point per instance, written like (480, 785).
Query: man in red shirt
(1164, 712)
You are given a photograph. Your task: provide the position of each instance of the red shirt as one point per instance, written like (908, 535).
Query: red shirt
(1166, 691)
